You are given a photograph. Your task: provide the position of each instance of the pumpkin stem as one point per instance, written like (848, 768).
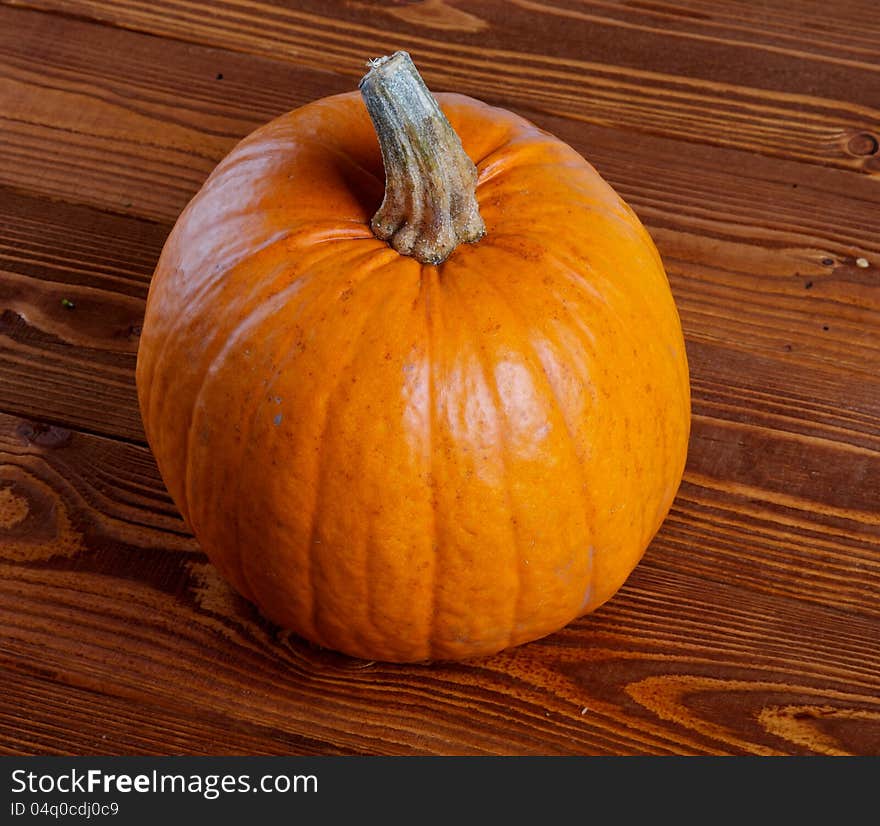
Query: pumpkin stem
(430, 204)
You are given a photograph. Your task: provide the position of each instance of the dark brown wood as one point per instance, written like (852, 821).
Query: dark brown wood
(748, 143)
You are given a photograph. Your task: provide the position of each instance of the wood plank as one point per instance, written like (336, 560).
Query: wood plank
(67, 244)
(73, 284)
(751, 78)
(117, 152)
(150, 125)
(64, 492)
(71, 103)
(43, 716)
(776, 637)
(125, 122)
(663, 669)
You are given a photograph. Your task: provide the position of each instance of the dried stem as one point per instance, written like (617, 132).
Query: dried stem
(430, 204)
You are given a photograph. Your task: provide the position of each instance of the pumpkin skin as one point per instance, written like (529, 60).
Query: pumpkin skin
(408, 462)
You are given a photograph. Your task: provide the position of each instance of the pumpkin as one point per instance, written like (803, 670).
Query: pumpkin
(427, 432)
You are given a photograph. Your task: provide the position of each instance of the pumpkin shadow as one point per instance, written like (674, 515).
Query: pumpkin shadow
(364, 179)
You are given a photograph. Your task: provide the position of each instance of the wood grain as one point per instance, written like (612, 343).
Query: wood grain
(73, 282)
(161, 632)
(777, 231)
(149, 138)
(633, 68)
(746, 141)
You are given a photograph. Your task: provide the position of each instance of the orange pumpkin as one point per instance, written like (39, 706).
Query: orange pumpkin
(433, 446)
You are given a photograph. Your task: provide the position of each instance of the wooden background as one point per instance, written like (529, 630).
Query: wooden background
(745, 138)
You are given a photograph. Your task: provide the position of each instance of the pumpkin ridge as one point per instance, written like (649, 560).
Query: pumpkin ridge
(579, 327)
(488, 278)
(502, 446)
(151, 402)
(578, 280)
(261, 315)
(228, 346)
(488, 169)
(395, 259)
(332, 396)
(173, 333)
(516, 541)
(617, 295)
(569, 272)
(324, 289)
(428, 274)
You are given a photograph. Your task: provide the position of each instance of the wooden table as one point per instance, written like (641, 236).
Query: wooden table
(745, 138)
